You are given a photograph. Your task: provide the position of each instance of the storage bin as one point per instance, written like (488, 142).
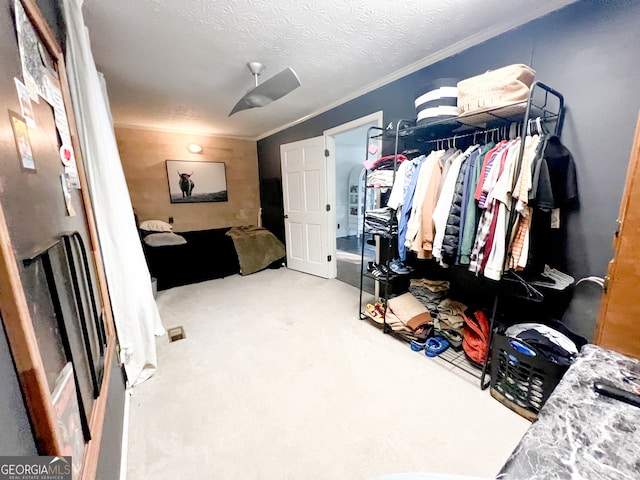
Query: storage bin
(495, 88)
(437, 101)
(522, 378)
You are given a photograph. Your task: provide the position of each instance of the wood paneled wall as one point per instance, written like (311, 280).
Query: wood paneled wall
(143, 153)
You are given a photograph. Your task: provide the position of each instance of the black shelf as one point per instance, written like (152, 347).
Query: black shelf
(460, 360)
(541, 104)
(381, 279)
(383, 235)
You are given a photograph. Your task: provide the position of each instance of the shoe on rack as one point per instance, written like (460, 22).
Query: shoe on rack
(385, 270)
(374, 269)
(399, 267)
(435, 346)
(379, 271)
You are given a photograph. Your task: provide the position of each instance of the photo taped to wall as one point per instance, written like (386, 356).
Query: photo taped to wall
(23, 144)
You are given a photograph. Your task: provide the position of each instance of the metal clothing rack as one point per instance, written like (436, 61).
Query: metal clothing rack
(543, 102)
(386, 281)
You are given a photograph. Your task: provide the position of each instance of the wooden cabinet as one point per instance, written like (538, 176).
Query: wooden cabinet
(619, 322)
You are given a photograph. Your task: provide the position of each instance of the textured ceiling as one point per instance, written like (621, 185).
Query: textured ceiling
(181, 64)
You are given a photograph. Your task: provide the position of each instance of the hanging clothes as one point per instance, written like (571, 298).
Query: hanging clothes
(466, 181)
(441, 212)
(501, 195)
(555, 187)
(399, 188)
(471, 210)
(424, 247)
(454, 218)
(413, 171)
(488, 208)
(519, 248)
(414, 229)
(485, 225)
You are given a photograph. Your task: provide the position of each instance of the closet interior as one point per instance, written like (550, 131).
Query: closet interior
(464, 244)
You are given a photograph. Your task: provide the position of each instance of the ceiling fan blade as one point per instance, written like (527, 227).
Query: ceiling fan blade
(265, 93)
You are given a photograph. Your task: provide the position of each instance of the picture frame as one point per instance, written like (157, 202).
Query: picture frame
(196, 182)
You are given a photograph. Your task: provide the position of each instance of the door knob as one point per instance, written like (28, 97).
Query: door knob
(286, 216)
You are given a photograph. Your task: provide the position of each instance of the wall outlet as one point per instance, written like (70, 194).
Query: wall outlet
(171, 220)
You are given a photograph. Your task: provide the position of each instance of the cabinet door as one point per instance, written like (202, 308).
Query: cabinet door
(619, 322)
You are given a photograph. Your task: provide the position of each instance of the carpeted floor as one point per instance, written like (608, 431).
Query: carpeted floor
(278, 379)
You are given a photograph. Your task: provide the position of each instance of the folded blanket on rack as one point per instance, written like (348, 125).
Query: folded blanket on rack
(429, 292)
(450, 321)
(409, 311)
(434, 286)
(374, 314)
(380, 178)
(450, 312)
(384, 215)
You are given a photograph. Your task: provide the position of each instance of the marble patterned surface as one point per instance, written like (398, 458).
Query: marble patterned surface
(580, 434)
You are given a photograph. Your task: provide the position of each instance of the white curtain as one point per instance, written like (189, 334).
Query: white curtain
(135, 312)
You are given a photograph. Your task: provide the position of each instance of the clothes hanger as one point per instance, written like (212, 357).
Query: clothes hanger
(532, 293)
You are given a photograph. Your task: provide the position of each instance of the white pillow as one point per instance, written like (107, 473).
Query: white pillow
(164, 239)
(155, 226)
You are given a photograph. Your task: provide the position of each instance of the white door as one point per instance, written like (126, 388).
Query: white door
(306, 219)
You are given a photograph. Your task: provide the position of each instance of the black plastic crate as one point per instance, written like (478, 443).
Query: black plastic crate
(520, 381)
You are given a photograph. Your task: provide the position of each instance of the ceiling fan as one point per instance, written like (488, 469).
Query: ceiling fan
(266, 92)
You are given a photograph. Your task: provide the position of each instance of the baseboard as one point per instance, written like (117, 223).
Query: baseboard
(125, 435)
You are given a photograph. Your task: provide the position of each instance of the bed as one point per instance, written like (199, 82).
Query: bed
(183, 258)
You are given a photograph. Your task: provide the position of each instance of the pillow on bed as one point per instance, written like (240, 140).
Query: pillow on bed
(155, 226)
(164, 239)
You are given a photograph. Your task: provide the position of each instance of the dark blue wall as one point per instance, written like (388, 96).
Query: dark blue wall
(589, 52)
(16, 437)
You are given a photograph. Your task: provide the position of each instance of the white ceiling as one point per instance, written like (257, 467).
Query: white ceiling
(180, 65)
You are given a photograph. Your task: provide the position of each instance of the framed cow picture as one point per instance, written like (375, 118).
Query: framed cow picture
(195, 182)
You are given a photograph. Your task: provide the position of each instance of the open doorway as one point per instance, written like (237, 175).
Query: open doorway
(349, 152)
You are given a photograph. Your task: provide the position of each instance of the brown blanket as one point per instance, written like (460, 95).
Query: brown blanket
(256, 247)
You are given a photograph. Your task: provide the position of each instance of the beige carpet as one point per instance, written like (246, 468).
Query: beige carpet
(278, 379)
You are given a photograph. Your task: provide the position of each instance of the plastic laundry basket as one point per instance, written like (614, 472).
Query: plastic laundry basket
(522, 378)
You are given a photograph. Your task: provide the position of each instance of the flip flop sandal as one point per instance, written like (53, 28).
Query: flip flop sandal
(380, 307)
(376, 313)
(373, 311)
